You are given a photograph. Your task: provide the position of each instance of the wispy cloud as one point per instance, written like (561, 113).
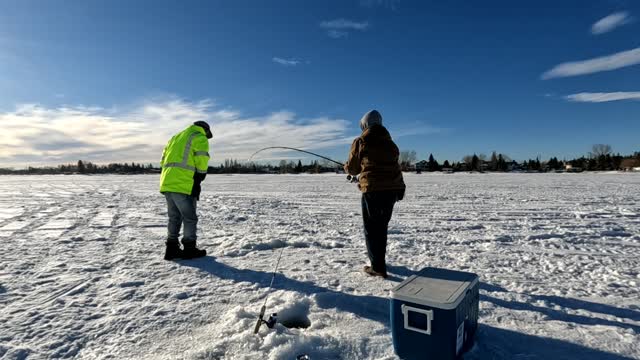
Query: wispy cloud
(603, 97)
(37, 135)
(604, 63)
(610, 22)
(391, 4)
(286, 62)
(419, 129)
(340, 28)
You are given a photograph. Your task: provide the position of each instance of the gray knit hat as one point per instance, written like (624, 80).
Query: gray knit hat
(369, 119)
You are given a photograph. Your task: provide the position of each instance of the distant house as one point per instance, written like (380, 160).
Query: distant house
(447, 170)
(514, 166)
(422, 165)
(572, 169)
(630, 165)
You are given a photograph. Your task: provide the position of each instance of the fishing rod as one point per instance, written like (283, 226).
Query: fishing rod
(273, 318)
(294, 149)
(350, 178)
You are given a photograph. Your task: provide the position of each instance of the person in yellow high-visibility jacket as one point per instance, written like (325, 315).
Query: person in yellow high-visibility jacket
(184, 163)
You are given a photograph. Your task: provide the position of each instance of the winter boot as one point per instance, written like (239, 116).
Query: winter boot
(191, 251)
(173, 251)
(369, 270)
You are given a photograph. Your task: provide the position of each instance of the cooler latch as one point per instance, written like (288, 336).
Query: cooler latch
(407, 325)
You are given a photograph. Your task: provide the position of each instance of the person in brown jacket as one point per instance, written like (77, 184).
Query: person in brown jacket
(374, 157)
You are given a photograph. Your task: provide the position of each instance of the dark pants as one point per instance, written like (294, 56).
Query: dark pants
(377, 208)
(181, 209)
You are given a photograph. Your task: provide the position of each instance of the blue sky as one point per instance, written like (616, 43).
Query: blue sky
(112, 80)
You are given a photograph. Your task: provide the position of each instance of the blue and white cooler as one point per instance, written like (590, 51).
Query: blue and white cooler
(434, 314)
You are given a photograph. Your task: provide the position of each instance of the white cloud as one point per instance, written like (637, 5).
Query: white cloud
(340, 28)
(603, 97)
(286, 62)
(37, 135)
(610, 22)
(604, 63)
(337, 34)
(391, 4)
(344, 24)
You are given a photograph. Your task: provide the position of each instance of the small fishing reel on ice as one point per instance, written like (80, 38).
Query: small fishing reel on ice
(270, 322)
(352, 178)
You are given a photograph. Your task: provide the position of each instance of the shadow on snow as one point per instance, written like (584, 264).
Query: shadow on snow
(491, 343)
(365, 306)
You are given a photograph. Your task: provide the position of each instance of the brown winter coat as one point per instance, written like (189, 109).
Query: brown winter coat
(374, 156)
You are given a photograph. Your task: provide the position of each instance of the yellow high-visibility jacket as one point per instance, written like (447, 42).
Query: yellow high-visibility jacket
(186, 156)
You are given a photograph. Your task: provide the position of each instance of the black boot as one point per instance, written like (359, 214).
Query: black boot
(191, 251)
(369, 270)
(173, 251)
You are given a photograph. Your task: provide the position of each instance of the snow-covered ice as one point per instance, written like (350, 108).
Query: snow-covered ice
(82, 275)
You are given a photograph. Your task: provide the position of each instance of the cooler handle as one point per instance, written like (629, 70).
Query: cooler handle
(429, 313)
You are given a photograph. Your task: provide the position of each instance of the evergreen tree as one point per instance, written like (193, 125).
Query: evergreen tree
(475, 163)
(501, 163)
(493, 163)
(432, 164)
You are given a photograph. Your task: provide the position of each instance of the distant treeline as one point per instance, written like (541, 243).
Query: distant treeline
(85, 167)
(229, 166)
(501, 163)
(600, 158)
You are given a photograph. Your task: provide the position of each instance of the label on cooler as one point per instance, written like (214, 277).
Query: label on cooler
(459, 337)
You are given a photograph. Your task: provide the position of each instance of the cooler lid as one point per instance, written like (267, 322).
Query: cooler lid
(438, 288)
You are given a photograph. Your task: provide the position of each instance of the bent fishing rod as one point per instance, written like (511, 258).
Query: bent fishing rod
(349, 177)
(294, 149)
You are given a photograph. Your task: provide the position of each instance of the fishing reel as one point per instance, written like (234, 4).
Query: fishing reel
(270, 322)
(352, 178)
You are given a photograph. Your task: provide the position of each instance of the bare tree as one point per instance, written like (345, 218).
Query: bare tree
(598, 150)
(407, 158)
(283, 166)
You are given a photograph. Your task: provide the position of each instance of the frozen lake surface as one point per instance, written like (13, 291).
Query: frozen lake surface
(82, 275)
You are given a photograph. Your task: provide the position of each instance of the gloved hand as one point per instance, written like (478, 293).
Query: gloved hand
(196, 189)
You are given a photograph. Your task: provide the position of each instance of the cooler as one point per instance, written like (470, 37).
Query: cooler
(434, 314)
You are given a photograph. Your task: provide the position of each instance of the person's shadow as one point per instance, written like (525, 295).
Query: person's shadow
(491, 342)
(365, 306)
(496, 343)
(570, 303)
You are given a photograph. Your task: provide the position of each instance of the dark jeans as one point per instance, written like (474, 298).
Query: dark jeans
(377, 208)
(181, 209)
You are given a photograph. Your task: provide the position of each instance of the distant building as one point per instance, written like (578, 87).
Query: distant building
(572, 169)
(422, 165)
(514, 166)
(630, 165)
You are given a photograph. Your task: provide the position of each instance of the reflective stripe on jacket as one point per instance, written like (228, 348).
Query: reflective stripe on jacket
(186, 154)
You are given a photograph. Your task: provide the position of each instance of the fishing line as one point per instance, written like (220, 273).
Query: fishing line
(294, 149)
